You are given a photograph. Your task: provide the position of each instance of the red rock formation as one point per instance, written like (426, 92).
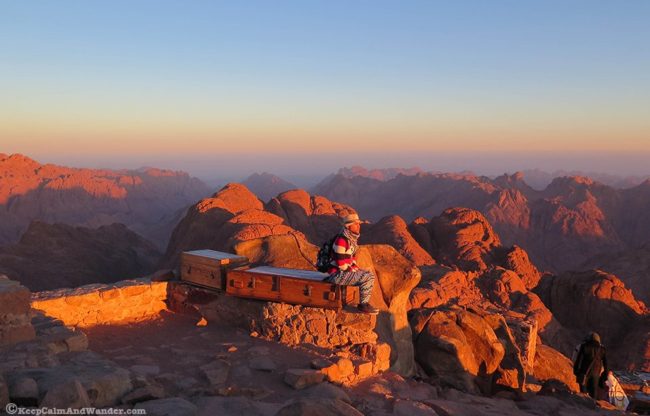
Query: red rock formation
(455, 346)
(441, 285)
(393, 231)
(50, 256)
(147, 201)
(396, 278)
(235, 214)
(631, 266)
(315, 216)
(598, 301)
(572, 220)
(550, 364)
(516, 259)
(232, 215)
(464, 238)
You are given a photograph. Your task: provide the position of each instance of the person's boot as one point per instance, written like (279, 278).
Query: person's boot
(367, 308)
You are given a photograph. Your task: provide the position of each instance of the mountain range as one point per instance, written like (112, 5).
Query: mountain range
(149, 201)
(565, 226)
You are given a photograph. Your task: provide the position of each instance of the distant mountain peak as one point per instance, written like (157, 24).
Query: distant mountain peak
(17, 160)
(384, 174)
(267, 185)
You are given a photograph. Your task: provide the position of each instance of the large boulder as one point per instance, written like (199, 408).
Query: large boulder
(396, 277)
(464, 238)
(234, 214)
(506, 289)
(441, 284)
(511, 373)
(231, 215)
(594, 301)
(632, 266)
(15, 319)
(517, 260)
(455, 345)
(315, 216)
(393, 230)
(550, 364)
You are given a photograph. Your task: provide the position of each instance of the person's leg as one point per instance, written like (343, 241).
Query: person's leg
(362, 278)
(365, 281)
(592, 386)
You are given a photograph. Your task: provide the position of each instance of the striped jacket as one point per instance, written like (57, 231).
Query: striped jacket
(343, 254)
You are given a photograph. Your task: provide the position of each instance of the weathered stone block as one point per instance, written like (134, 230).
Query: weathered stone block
(216, 372)
(340, 371)
(14, 298)
(300, 378)
(363, 368)
(66, 395)
(12, 334)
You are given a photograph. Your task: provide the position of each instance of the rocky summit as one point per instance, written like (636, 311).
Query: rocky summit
(468, 322)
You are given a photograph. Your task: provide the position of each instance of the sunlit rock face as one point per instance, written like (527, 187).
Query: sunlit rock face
(234, 214)
(149, 201)
(571, 221)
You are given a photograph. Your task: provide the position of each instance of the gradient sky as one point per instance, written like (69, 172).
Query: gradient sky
(224, 88)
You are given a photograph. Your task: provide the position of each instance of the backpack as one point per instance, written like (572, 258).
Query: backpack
(324, 256)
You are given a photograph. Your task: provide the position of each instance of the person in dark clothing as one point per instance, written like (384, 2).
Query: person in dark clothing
(590, 363)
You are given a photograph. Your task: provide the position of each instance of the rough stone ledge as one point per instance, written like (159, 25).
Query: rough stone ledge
(101, 304)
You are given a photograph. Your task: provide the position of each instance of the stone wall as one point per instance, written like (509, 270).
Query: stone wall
(15, 319)
(100, 304)
(287, 324)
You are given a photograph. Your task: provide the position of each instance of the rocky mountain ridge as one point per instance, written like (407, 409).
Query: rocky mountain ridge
(149, 201)
(571, 221)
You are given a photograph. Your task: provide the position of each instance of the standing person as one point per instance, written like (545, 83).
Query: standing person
(590, 363)
(343, 268)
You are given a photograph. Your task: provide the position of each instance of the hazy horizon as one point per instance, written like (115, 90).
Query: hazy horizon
(292, 88)
(310, 169)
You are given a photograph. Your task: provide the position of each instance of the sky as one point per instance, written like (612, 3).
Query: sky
(222, 88)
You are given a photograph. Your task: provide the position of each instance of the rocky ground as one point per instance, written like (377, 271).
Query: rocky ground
(174, 365)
